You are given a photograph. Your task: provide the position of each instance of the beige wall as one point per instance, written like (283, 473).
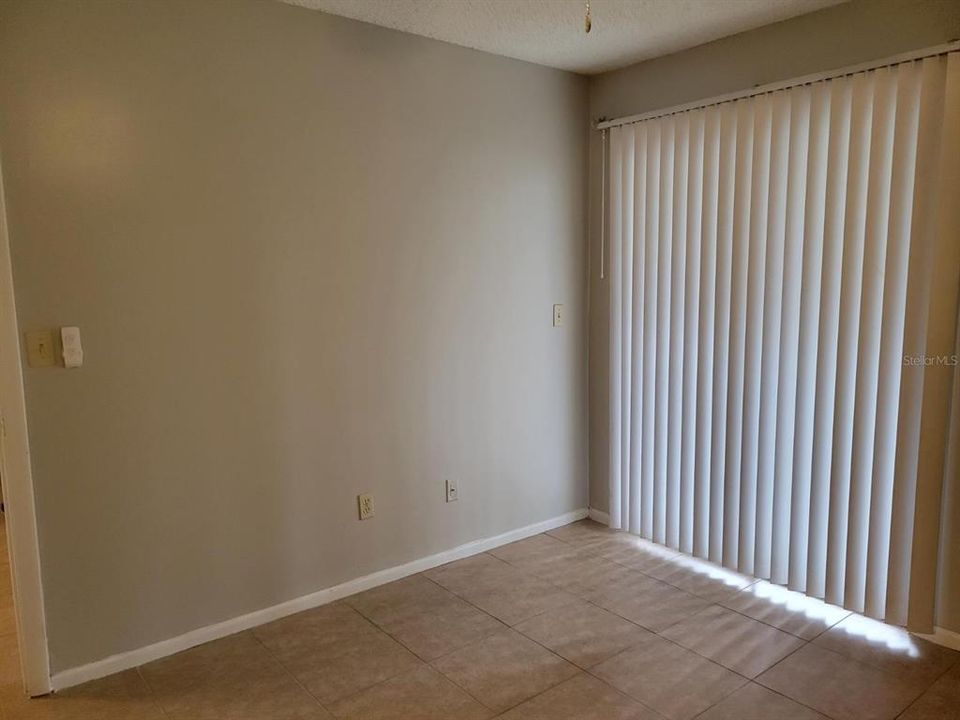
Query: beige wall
(842, 35)
(310, 258)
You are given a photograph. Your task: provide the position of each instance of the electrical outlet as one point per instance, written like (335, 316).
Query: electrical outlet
(557, 315)
(453, 492)
(365, 503)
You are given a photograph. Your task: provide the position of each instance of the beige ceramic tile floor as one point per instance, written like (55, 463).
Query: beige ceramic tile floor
(580, 623)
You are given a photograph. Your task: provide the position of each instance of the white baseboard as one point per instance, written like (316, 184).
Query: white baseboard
(942, 636)
(133, 658)
(599, 516)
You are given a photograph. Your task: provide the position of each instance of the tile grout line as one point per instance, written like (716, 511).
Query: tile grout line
(657, 634)
(386, 632)
(594, 675)
(869, 664)
(749, 680)
(677, 587)
(151, 692)
(850, 658)
(507, 628)
(764, 687)
(580, 671)
(755, 580)
(514, 567)
(789, 654)
(804, 642)
(587, 670)
(794, 700)
(291, 674)
(832, 652)
(669, 561)
(720, 603)
(429, 663)
(750, 617)
(927, 689)
(578, 668)
(517, 704)
(376, 626)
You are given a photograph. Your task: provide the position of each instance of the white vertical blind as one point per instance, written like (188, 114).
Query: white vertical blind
(784, 274)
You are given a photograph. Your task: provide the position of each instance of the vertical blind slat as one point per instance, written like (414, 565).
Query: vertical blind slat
(753, 330)
(809, 336)
(690, 330)
(836, 191)
(708, 299)
(786, 374)
(676, 487)
(632, 521)
(626, 332)
(738, 299)
(771, 330)
(661, 391)
(868, 342)
(725, 214)
(616, 302)
(858, 177)
(626, 316)
(652, 239)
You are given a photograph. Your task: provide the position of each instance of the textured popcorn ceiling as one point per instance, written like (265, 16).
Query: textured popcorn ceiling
(550, 32)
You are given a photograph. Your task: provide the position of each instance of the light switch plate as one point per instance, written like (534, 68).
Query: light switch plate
(40, 349)
(365, 505)
(72, 349)
(557, 315)
(453, 491)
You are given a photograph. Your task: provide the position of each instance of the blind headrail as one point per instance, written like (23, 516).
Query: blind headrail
(949, 47)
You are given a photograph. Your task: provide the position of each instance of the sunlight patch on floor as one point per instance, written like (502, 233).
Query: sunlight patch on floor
(895, 639)
(688, 562)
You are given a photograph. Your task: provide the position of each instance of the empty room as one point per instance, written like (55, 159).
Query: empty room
(471, 359)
